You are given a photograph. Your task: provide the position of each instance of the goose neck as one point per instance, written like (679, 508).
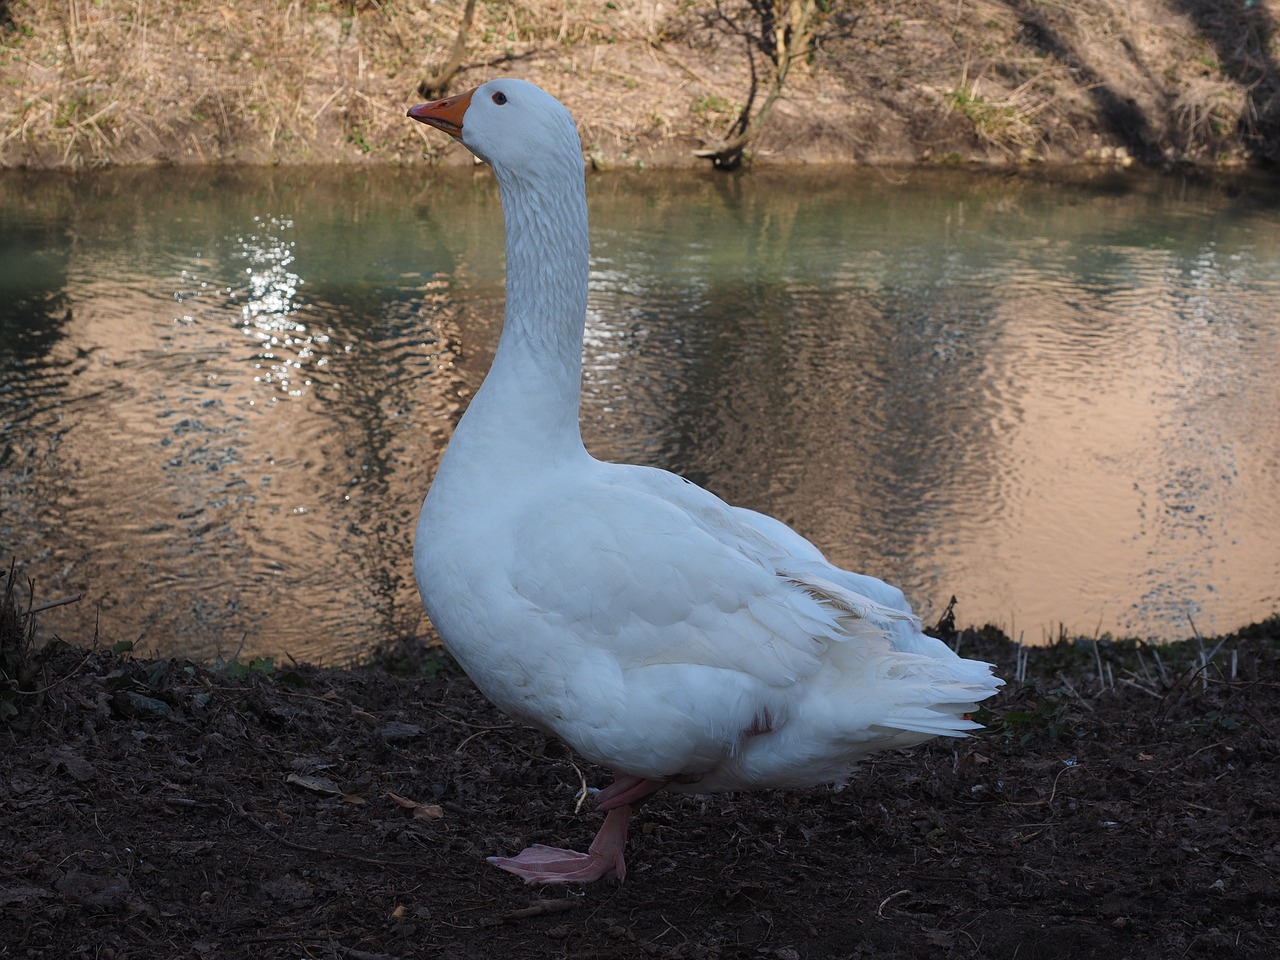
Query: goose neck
(534, 387)
(547, 264)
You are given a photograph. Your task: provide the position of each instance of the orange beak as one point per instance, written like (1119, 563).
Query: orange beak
(444, 114)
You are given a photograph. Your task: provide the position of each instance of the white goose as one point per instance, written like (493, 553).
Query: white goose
(677, 640)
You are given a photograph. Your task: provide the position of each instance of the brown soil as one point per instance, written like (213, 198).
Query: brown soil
(93, 82)
(159, 809)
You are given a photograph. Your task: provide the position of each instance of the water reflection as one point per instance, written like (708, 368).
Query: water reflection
(178, 489)
(223, 403)
(271, 306)
(35, 248)
(966, 403)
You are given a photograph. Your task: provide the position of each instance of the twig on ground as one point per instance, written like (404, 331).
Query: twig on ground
(892, 896)
(539, 908)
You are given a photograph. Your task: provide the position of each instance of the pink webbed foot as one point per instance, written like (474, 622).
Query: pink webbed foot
(543, 864)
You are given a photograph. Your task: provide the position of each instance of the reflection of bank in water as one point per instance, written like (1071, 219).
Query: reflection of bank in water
(223, 401)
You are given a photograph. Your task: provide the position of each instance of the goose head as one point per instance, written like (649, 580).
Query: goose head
(517, 128)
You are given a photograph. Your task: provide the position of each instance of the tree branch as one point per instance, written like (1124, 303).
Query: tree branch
(796, 17)
(438, 83)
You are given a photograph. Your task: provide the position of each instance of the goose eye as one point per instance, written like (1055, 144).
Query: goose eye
(499, 98)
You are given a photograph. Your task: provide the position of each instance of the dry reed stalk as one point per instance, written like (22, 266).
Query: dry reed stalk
(1097, 658)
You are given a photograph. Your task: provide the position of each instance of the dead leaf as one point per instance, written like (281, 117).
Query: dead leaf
(315, 784)
(353, 798)
(22, 896)
(395, 730)
(421, 811)
(77, 766)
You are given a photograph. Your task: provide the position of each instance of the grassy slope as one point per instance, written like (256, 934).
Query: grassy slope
(91, 82)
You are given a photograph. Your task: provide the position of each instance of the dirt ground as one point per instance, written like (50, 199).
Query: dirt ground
(1122, 803)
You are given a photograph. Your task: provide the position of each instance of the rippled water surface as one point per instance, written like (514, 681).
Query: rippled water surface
(223, 394)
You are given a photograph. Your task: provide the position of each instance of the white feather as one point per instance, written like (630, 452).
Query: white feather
(653, 627)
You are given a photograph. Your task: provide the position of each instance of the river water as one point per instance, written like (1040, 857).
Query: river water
(223, 393)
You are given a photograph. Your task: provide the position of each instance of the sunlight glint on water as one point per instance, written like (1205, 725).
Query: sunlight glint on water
(223, 398)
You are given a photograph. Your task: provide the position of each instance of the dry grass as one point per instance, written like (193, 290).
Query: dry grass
(1172, 79)
(1007, 119)
(18, 612)
(1207, 112)
(97, 81)
(91, 82)
(172, 80)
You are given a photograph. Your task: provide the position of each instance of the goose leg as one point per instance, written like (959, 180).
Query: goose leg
(542, 864)
(627, 789)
